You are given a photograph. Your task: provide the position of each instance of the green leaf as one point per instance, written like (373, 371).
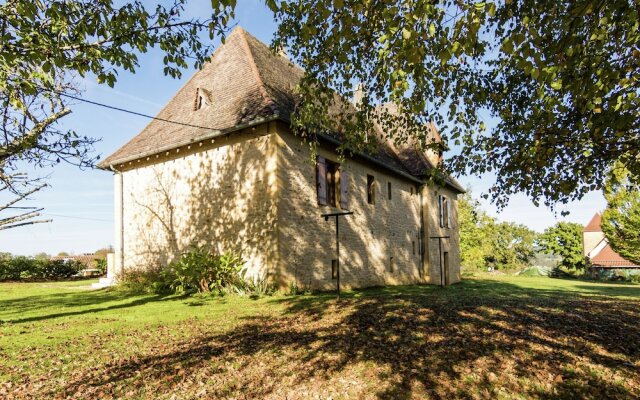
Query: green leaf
(491, 9)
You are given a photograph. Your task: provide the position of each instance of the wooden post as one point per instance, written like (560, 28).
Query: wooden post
(326, 218)
(440, 255)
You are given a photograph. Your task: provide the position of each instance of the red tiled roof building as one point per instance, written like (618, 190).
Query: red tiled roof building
(597, 249)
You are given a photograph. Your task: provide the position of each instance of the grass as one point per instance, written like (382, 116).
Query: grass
(503, 337)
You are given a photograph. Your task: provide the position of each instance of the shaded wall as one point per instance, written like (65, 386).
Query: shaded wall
(377, 242)
(220, 194)
(434, 253)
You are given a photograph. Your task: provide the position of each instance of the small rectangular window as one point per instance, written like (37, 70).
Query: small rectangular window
(412, 190)
(371, 190)
(334, 269)
(445, 217)
(327, 182)
(390, 264)
(389, 190)
(413, 246)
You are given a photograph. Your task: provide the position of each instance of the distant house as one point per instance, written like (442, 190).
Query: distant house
(234, 177)
(597, 250)
(88, 259)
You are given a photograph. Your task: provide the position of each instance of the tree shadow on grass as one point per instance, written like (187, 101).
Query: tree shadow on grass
(475, 340)
(78, 303)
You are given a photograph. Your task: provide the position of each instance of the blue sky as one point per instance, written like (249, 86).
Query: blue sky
(80, 202)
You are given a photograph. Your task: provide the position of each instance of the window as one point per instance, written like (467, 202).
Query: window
(413, 246)
(202, 99)
(389, 190)
(371, 189)
(445, 211)
(412, 190)
(331, 184)
(332, 176)
(334, 269)
(390, 264)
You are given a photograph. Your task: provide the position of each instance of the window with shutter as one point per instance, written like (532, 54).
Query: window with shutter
(441, 210)
(344, 191)
(328, 182)
(321, 180)
(448, 214)
(371, 189)
(445, 209)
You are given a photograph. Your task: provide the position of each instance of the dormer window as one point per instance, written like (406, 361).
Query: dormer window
(202, 99)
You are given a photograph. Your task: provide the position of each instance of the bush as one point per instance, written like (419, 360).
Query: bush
(20, 267)
(154, 280)
(101, 265)
(58, 269)
(254, 287)
(201, 271)
(197, 270)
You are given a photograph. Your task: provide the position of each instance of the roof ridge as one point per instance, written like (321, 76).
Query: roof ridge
(254, 69)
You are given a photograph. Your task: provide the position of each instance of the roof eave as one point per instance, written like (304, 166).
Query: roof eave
(109, 165)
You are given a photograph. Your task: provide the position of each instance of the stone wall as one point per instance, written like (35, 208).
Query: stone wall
(434, 256)
(380, 243)
(254, 192)
(219, 194)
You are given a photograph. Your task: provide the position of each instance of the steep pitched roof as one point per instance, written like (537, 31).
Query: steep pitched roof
(603, 254)
(594, 224)
(244, 83)
(607, 257)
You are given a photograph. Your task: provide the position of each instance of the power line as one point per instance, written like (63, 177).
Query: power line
(124, 110)
(70, 216)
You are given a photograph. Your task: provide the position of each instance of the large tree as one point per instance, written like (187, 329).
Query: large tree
(621, 219)
(565, 240)
(475, 245)
(485, 242)
(46, 44)
(561, 78)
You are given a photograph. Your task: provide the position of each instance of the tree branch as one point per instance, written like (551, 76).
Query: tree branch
(28, 139)
(43, 221)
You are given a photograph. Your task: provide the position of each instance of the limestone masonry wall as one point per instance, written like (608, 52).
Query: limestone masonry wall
(220, 194)
(380, 243)
(254, 192)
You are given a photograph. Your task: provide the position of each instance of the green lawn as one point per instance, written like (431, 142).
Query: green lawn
(506, 337)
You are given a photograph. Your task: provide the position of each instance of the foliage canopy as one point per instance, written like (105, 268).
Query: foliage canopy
(621, 219)
(486, 242)
(565, 240)
(561, 77)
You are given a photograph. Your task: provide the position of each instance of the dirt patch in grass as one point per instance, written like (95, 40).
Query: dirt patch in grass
(478, 340)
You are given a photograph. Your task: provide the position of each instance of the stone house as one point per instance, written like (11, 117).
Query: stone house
(233, 176)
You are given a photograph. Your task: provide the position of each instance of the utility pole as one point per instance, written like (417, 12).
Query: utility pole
(326, 218)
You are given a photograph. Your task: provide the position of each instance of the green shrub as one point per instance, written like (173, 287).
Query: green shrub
(199, 270)
(58, 269)
(150, 280)
(101, 265)
(254, 287)
(20, 267)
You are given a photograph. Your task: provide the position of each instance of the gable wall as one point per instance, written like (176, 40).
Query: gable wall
(219, 194)
(590, 240)
(367, 239)
(450, 245)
